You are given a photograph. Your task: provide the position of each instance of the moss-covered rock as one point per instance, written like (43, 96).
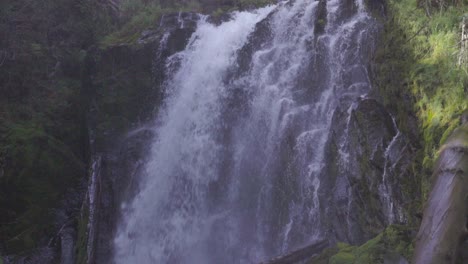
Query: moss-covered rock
(140, 16)
(344, 254)
(128, 84)
(394, 243)
(369, 163)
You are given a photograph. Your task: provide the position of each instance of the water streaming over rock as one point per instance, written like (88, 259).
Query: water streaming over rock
(254, 142)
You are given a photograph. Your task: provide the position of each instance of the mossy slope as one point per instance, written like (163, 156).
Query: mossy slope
(393, 243)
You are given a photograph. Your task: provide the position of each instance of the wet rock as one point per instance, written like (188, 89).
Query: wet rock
(179, 20)
(394, 259)
(347, 10)
(125, 104)
(43, 255)
(148, 36)
(321, 21)
(260, 38)
(377, 7)
(367, 171)
(219, 19)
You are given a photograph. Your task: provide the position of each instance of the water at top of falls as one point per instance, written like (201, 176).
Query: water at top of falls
(232, 176)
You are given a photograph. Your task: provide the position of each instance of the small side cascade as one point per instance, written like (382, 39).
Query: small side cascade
(67, 245)
(393, 152)
(89, 212)
(93, 200)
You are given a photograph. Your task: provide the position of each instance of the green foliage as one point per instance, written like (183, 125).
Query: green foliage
(417, 62)
(342, 258)
(344, 255)
(254, 3)
(37, 171)
(43, 46)
(393, 241)
(440, 87)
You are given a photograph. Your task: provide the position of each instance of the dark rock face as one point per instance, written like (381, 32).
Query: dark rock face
(120, 164)
(378, 7)
(367, 169)
(260, 39)
(443, 233)
(127, 100)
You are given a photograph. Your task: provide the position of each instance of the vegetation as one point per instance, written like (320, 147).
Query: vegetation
(416, 71)
(395, 241)
(417, 65)
(139, 15)
(45, 47)
(42, 131)
(47, 59)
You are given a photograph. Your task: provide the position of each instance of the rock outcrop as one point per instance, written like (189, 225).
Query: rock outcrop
(369, 162)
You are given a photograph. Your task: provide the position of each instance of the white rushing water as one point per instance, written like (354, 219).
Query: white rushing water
(233, 174)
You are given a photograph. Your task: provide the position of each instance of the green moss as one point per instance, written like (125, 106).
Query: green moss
(142, 15)
(321, 22)
(342, 258)
(344, 247)
(416, 65)
(324, 257)
(38, 170)
(344, 255)
(394, 240)
(145, 18)
(451, 127)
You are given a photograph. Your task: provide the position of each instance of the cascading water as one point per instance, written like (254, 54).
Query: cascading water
(235, 170)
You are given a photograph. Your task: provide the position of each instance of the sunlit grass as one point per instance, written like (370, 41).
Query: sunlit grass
(437, 83)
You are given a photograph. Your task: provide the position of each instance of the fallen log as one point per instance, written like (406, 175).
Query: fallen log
(443, 232)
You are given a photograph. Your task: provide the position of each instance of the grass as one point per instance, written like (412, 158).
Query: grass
(418, 60)
(438, 84)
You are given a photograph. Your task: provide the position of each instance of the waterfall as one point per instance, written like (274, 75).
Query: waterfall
(236, 167)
